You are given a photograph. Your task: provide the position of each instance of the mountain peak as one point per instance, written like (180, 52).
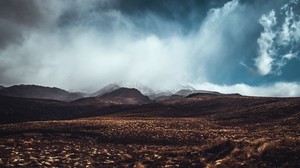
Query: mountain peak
(107, 89)
(127, 96)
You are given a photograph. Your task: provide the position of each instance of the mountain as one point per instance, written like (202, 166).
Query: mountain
(160, 94)
(164, 97)
(186, 92)
(145, 90)
(17, 109)
(114, 86)
(116, 97)
(1, 87)
(106, 89)
(39, 92)
(126, 96)
(209, 94)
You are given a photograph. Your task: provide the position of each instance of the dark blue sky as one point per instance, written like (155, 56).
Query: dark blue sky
(246, 45)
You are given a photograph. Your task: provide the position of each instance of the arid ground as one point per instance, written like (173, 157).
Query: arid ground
(197, 131)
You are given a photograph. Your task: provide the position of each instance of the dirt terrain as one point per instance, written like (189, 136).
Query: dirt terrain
(201, 130)
(148, 142)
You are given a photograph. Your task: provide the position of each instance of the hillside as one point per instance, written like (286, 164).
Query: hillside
(39, 92)
(107, 89)
(121, 96)
(186, 92)
(233, 108)
(126, 96)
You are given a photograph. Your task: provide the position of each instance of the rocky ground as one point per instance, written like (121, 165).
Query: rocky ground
(150, 142)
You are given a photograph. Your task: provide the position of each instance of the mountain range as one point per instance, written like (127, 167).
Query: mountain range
(125, 102)
(112, 93)
(32, 102)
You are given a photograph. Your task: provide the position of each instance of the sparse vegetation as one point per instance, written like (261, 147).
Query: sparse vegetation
(201, 130)
(148, 142)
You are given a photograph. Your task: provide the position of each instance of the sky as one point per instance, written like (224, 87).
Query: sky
(249, 47)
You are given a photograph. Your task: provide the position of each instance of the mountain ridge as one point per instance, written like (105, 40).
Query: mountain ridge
(105, 89)
(120, 96)
(127, 96)
(39, 92)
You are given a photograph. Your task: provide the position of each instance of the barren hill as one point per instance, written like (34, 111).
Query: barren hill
(127, 96)
(121, 96)
(39, 92)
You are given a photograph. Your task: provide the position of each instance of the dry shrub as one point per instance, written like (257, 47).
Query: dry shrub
(126, 157)
(267, 146)
(139, 165)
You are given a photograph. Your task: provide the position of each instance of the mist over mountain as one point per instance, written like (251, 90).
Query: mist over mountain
(107, 89)
(186, 92)
(230, 46)
(115, 97)
(127, 96)
(111, 94)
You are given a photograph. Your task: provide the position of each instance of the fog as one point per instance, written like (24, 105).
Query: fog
(228, 46)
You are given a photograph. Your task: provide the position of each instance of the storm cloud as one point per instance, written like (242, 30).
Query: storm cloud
(84, 45)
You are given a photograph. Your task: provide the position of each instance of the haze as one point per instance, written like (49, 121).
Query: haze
(248, 47)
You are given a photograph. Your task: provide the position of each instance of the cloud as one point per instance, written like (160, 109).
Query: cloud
(19, 18)
(278, 45)
(278, 89)
(85, 57)
(80, 45)
(265, 43)
(107, 46)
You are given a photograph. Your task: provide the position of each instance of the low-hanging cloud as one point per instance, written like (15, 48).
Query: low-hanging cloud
(84, 45)
(110, 47)
(278, 89)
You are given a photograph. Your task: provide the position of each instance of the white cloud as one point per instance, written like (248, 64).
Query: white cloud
(83, 56)
(285, 36)
(289, 56)
(276, 45)
(280, 89)
(265, 43)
